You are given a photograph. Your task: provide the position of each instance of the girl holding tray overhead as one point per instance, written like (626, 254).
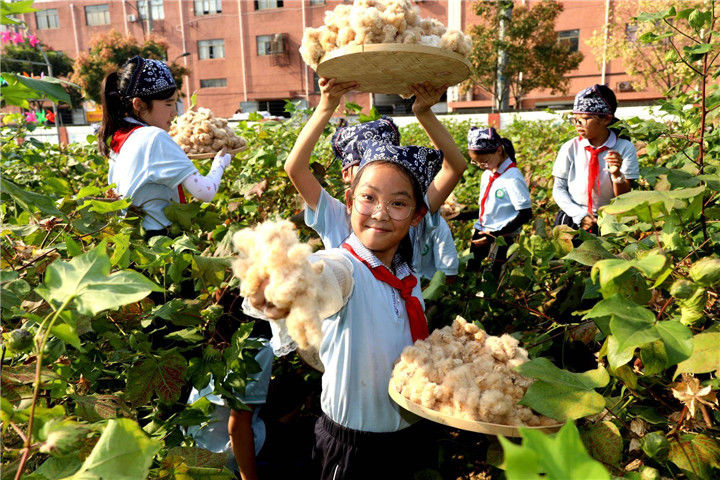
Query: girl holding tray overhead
(433, 245)
(328, 216)
(595, 166)
(504, 197)
(362, 432)
(139, 104)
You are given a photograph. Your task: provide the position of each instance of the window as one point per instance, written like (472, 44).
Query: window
(265, 4)
(211, 49)
(316, 83)
(157, 12)
(208, 7)
(47, 19)
(270, 44)
(213, 82)
(571, 38)
(317, 2)
(97, 15)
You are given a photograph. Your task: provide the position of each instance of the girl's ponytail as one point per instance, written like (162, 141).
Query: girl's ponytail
(114, 111)
(508, 147)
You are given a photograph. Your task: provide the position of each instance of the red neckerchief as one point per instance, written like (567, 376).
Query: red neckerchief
(416, 316)
(493, 177)
(593, 173)
(118, 140)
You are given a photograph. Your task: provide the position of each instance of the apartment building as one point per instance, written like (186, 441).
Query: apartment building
(243, 54)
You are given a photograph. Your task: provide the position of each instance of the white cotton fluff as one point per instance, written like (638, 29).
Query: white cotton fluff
(378, 21)
(271, 251)
(461, 371)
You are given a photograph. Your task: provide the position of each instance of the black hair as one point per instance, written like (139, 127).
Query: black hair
(405, 249)
(116, 106)
(508, 147)
(609, 96)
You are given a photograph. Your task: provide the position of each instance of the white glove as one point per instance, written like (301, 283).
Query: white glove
(221, 160)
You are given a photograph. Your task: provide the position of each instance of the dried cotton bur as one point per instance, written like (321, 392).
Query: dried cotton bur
(272, 251)
(378, 21)
(461, 371)
(200, 132)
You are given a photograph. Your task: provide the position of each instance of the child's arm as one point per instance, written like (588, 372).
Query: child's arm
(297, 164)
(453, 162)
(242, 441)
(620, 184)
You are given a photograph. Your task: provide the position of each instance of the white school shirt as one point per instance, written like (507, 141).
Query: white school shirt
(432, 250)
(508, 195)
(572, 163)
(148, 169)
(360, 346)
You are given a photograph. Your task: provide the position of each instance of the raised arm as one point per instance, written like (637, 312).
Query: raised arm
(454, 163)
(297, 164)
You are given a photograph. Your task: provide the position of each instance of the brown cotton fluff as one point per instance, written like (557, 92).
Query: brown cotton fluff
(310, 291)
(378, 21)
(461, 371)
(199, 131)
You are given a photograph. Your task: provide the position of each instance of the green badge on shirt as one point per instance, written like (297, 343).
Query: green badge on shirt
(499, 193)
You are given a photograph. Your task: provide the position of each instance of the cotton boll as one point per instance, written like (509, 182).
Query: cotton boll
(509, 344)
(496, 349)
(345, 36)
(410, 36)
(328, 40)
(430, 40)
(389, 33)
(456, 41)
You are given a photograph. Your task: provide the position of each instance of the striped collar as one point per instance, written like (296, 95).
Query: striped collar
(400, 268)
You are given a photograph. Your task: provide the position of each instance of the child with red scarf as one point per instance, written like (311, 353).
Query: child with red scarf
(595, 166)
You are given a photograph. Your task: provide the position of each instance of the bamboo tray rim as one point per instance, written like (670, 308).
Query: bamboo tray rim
(461, 423)
(394, 48)
(199, 156)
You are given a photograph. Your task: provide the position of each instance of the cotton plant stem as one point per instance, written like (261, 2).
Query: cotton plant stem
(36, 388)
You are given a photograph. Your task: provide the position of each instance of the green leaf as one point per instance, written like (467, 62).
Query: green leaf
(56, 467)
(520, 463)
(560, 456)
(696, 454)
(103, 207)
(162, 376)
(98, 407)
(561, 394)
(30, 201)
(705, 355)
(87, 281)
(199, 457)
(590, 252)
(68, 334)
(435, 288)
(14, 8)
(210, 270)
(48, 87)
(604, 442)
(656, 446)
(706, 271)
(677, 339)
(124, 452)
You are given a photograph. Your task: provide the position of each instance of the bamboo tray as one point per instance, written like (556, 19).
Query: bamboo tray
(461, 423)
(392, 67)
(199, 156)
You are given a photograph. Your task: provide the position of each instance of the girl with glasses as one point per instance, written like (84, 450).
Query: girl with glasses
(595, 166)
(362, 432)
(504, 197)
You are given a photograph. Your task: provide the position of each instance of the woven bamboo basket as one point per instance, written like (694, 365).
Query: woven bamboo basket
(392, 67)
(461, 423)
(199, 156)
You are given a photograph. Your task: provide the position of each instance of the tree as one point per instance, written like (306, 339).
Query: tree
(109, 51)
(655, 64)
(534, 56)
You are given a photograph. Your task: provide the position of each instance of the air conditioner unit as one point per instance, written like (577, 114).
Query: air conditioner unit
(626, 86)
(277, 44)
(132, 18)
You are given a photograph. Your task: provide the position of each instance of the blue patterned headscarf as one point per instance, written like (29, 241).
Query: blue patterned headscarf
(347, 141)
(484, 140)
(150, 78)
(595, 100)
(421, 162)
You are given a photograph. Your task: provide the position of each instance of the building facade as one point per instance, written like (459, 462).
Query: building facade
(243, 54)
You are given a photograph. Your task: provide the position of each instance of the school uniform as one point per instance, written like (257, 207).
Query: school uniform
(433, 245)
(149, 167)
(570, 170)
(500, 204)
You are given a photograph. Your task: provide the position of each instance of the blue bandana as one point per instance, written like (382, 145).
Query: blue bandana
(591, 101)
(150, 77)
(486, 140)
(347, 142)
(423, 163)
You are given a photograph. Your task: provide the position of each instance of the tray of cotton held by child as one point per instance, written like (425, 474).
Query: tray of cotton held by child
(201, 134)
(385, 46)
(464, 378)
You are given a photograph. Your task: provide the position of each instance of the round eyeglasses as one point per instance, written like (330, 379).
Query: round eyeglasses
(366, 204)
